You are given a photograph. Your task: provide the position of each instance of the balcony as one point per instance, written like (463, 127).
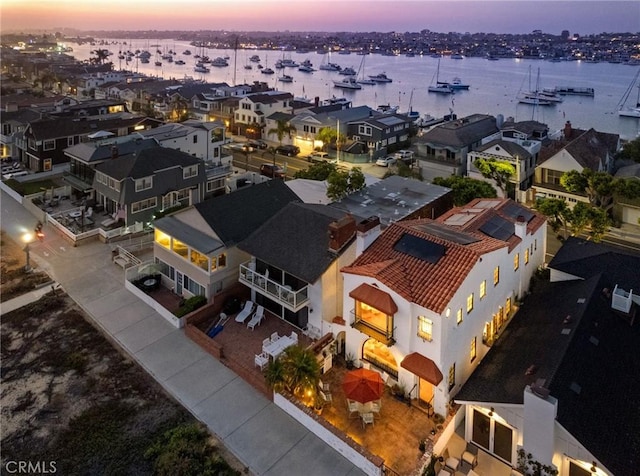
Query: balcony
(292, 299)
(217, 170)
(381, 335)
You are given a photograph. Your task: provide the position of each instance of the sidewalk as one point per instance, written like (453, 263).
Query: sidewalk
(18, 302)
(257, 432)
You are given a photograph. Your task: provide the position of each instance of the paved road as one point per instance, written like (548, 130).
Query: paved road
(263, 437)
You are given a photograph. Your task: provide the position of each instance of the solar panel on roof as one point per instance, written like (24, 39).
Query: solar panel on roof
(498, 228)
(420, 248)
(459, 219)
(447, 233)
(513, 210)
(486, 203)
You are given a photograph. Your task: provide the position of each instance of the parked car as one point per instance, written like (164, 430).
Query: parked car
(272, 171)
(288, 150)
(404, 155)
(386, 161)
(257, 144)
(319, 157)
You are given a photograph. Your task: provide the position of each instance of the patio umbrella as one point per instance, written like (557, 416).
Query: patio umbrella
(363, 385)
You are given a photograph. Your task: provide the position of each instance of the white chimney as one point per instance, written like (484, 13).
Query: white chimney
(521, 227)
(367, 232)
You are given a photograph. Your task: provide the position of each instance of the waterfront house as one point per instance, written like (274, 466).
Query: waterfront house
(380, 134)
(250, 116)
(426, 299)
(133, 188)
(197, 248)
(559, 387)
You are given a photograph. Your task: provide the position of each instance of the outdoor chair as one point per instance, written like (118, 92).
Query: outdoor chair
(326, 397)
(294, 337)
(441, 470)
(450, 462)
(367, 418)
(375, 407)
(274, 337)
(265, 342)
(354, 408)
(469, 458)
(257, 318)
(246, 312)
(261, 360)
(323, 386)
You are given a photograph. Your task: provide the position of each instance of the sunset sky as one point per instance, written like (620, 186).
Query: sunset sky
(509, 16)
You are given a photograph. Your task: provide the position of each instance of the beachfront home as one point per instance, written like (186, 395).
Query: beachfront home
(560, 385)
(250, 116)
(196, 248)
(426, 299)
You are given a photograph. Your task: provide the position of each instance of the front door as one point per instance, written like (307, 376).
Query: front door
(492, 435)
(178, 283)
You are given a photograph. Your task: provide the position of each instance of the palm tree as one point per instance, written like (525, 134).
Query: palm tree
(282, 128)
(296, 371)
(101, 56)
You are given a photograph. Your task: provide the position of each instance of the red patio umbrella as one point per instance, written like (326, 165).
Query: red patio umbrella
(363, 385)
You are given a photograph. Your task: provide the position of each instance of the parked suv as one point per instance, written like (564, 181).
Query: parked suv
(257, 144)
(319, 157)
(288, 150)
(272, 171)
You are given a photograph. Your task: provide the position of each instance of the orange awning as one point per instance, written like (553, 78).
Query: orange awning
(374, 297)
(423, 367)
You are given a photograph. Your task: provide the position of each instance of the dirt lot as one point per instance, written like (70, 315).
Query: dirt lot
(69, 396)
(14, 281)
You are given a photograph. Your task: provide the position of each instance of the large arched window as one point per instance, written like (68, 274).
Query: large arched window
(378, 354)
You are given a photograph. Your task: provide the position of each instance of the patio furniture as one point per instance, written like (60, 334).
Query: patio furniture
(469, 457)
(246, 312)
(326, 397)
(323, 386)
(363, 385)
(375, 406)
(274, 337)
(450, 462)
(257, 318)
(294, 337)
(354, 408)
(367, 418)
(261, 360)
(274, 349)
(441, 470)
(262, 280)
(265, 343)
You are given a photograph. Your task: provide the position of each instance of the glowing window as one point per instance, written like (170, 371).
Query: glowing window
(496, 275)
(452, 376)
(425, 328)
(516, 261)
(483, 288)
(470, 303)
(472, 350)
(180, 248)
(162, 239)
(459, 316)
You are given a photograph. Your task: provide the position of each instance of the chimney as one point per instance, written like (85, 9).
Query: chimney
(114, 151)
(521, 227)
(11, 107)
(367, 232)
(567, 130)
(341, 232)
(316, 101)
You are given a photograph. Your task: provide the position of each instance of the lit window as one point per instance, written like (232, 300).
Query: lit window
(472, 350)
(496, 275)
(459, 316)
(452, 376)
(470, 303)
(162, 239)
(483, 288)
(516, 261)
(507, 306)
(198, 259)
(180, 248)
(425, 328)
(526, 256)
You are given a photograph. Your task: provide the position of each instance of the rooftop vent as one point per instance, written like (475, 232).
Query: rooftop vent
(566, 331)
(594, 340)
(581, 300)
(574, 387)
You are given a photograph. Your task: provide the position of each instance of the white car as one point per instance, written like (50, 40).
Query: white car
(319, 157)
(403, 155)
(386, 161)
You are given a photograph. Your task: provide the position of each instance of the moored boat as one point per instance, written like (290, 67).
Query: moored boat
(381, 78)
(347, 83)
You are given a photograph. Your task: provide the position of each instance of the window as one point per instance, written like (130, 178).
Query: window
(218, 262)
(165, 269)
(516, 261)
(215, 185)
(180, 248)
(195, 139)
(49, 145)
(191, 286)
(452, 376)
(483, 289)
(144, 183)
(425, 328)
(459, 316)
(69, 141)
(472, 350)
(496, 275)
(144, 205)
(526, 256)
(364, 130)
(198, 259)
(470, 303)
(368, 318)
(507, 307)
(47, 165)
(162, 238)
(101, 178)
(190, 171)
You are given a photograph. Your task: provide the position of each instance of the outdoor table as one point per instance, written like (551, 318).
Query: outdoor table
(274, 349)
(75, 214)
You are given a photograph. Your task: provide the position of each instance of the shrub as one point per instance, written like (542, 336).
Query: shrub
(190, 305)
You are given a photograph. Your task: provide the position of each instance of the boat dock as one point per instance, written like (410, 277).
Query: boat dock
(572, 91)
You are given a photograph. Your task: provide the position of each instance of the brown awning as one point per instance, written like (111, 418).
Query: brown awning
(423, 367)
(374, 297)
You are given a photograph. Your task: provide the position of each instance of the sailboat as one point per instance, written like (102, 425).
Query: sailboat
(411, 114)
(632, 111)
(437, 86)
(363, 79)
(534, 97)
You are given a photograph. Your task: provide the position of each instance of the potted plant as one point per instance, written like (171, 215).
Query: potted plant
(350, 360)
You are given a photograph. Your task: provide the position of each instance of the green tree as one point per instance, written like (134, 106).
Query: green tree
(283, 128)
(466, 189)
(556, 210)
(179, 109)
(599, 223)
(101, 56)
(599, 187)
(296, 371)
(500, 171)
(630, 151)
(579, 218)
(327, 135)
(186, 450)
(318, 171)
(342, 183)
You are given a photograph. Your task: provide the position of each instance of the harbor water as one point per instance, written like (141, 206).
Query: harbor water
(494, 85)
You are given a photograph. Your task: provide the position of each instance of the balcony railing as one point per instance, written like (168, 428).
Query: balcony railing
(294, 300)
(221, 170)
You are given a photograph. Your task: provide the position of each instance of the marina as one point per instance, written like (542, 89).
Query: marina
(591, 90)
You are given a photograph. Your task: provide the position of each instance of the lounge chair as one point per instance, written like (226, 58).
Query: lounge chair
(257, 318)
(246, 312)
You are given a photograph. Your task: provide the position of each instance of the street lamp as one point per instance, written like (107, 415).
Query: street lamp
(26, 239)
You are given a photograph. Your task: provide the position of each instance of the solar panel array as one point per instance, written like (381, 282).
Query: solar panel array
(447, 233)
(513, 210)
(498, 228)
(420, 248)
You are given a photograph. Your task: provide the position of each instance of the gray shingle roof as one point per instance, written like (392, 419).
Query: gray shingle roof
(188, 235)
(461, 132)
(296, 240)
(145, 162)
(91, 152)
(236, 215)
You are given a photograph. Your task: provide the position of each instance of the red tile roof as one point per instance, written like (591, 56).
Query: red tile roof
(423, 367)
